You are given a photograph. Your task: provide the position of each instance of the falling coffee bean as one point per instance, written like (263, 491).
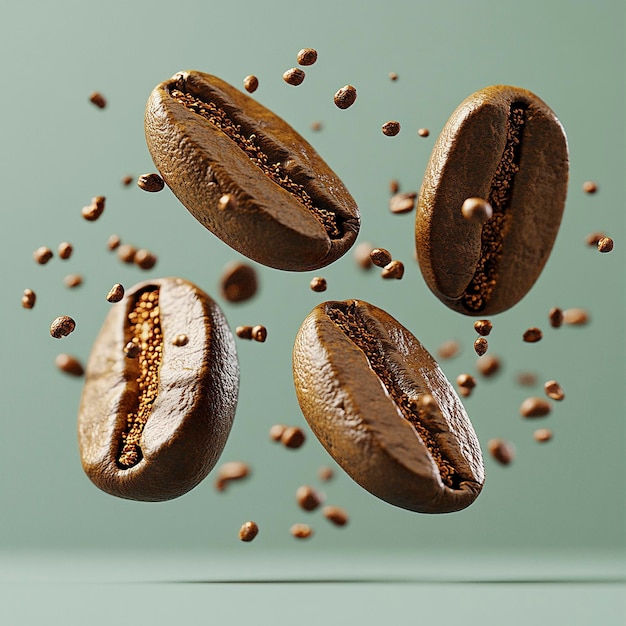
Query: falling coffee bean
(391, 128)
(301, 531)
(483, 327)
(126, 253)
(590, 187)
(239, 282)
(380, 257)
(307, 56)
(362, 257)
(94, 210)
(423, 132)
(502, 451)
(29, 298)
(229, 472)
(248, 531)
(481, 346)
(244, 332)
(65, 250)
(488, 365)
(542, 435)
(532, 335)
(605, 244)
(318, 284)
(98, 99)
(535, 407)
(145, 259)
(345, 97)
(325, 473)
(250, 83)
(276, 432)
(69, 364)
(73, 280)
(42, 255)
(449, 349)
(113, 242)
(336, 515)
(292, 437)
(394, 269)
(116, 293)
(555, 317)
(553, 390)
(308, 498)
(295, 76)
(62, 326)
(402, 202)
(259, 333)
(575, 317)
(150, 182)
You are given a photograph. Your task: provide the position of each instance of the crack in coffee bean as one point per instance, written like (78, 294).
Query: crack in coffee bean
(417, 413)
(479, 290)
(144, 329)
(274, 170)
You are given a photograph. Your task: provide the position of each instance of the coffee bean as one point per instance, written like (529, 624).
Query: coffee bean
(423, 132)
(527, 379)
(132, 350)
(555, 316)
(605, 244)
(402, 202)
(292, 437)
(394, 269)
(244, 332)
(483, 327)
(307, 56)
(465, 392)
(248, 531)
(393, 76)
(542, 435)
(362, 253)
(69, 364)
(316, 126)
(502, 451)
(284, 217)
(357, 371)
(449, 349)
(65, 250)
(318, 284)
(251, 83)
(535, 407)
(590, 187)
(113, 242)
(553, 390)
(575, 317)
(228, 472)
(42, 255)
(29, 298)
(394, 186)
(127, 180)
(380, 257)
(145, 259)
(259, 333)
(150, 182)
(592, 239)
(116, 293)
(94, 210)
(336, 515)
(466, 380)
(502, 144)
(345, 97)
(325, 473)
(151, 428)
(301, 531)
(73, 280)
(276, 432)
(238, 282)
(391, 128)
(488, 365)
(62, 326)
(180, 341)
(294, 76)
(481, 346)
(532, 335)
(308, 498)
(98, 99)
(126, 253)
(477, 210)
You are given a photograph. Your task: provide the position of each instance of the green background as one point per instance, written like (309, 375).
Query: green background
(561, 498)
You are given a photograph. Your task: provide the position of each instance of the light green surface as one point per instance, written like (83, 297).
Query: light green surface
(59, 151)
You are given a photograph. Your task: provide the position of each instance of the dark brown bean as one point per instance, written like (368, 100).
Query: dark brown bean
(423, 132)
(292, 437)
(590, 187)
(380, 257)
(535, 407)
(555, 316)
(483, 327)
(336, 515)
(294, 76)
(394, 269)
(502, 451)
(301, 531)
(318, 284)
(402, 202)
(116, 293)
(466, 380)
(605, 244)
(481, 345)
(65, 250)
(239, 282)
(98, 99)
(127, 180)
(62, 326)
(308, 498)
(150, 182)
(553, 390)
(307, 56)
(42, 255)
(69, 364)
(391, 128)
(132, 350)
(532, 335)
(393, 76)
(345, 97)
(29, 298)
(251, 83)
(244, 332)
(259, 333)
(229, 472)
(248, 531)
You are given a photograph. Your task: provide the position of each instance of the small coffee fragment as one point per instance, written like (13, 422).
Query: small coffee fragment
(402, 202)
(449, 349)
(316, 126)
(380, 257)
(116, 293)
(69, 365)
(150, 182)
(62, 326)
(113, 242)
(93, 211)
(259, 333)
(336, 515)
(394, 269)
(553, 390)
(251, 83)
(423, 132)
(127, 180)
(65, 250)
(132, 350)
(233, 470)
(592, 238)
(180, 341)
(276, 432)
(248, 531)
(345, 97)
(42, 255)
(502, 451)
(244, 332)
(393, 76)
(238, 282)
(145, 259)
(466, 380)
(73, 280)
(294, 76)
(308, 498)
(126, 253)
(465, 392)
(29, 298)
(527, 379)
(590, 187)
(555, 316)
(98, 99)
(605, 244)
(362, 253)
(542, 435)
(575, 317)
(394, 186)
(477, 210)
(301, 531)
(488, 365)
(481, 346)
(325, 473)
(535, 407)
(307, 56)
(532, 335)
(391, 128)
(483, 327)
(318, 284)
(292, 437)
(227, 202)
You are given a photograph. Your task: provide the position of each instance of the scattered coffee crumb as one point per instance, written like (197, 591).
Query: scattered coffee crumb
(127, 180)
(466, 380)
(449, 349)
(251, 83)
(29, 298)
(308, 498)
(276, 431)
(423, 132)
(113, 242)
(553, 390)
(145, 259)
(42, 255)
(116, 293)
(394, 269)
(605, 244)
(542, 435)
(316, 126)
(391, 128)
(336, 515)
(402, 202)
(532, 335)
(318, 284)
(592, 238)
(393, 76)
(502, 451)
(575, 317)
(481, 346)
(98, 99)
(65, 250)
(238, 282)
(244, 332)
(294, 76)
(590, 187)
(476, 210)
(227, 202)
(259, 333)
(466, 392)
(301, 531)
(69, 364)
(380, 257)
(325, 473)
(488, 365)
(150, 182)
(307, 56)
(345, 97)
(394, 186)
(180, 341)
(231, 471)
(292, 437)
(62, 326)
(73, 280)
(527, 379)
(555, 316)
(126, 253)
(132, 350)
(483, 327)
(93, 211)
(535, 407)
(248, 531)
(362, 253)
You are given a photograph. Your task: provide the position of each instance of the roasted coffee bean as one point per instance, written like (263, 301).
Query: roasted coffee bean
(308, 498)
(248, 531)
(207, 139)
(362, 252)
(73, 280)
(394, 187)
(62, 326)
(250, 83)
(259, 333)
(113, 242)
(465, 392)
(98, 99)
(590, 187)
(393, 76)
(477, 210)
(318, 284)
(553, 390)
(402, 202)
(502, 451)
(542, 435)
(145, 259)
(423, 132)
(244, 332)
(394, 269)
(307, 56)
(126, 253)
(555, 316)
(151, 428)
(527, 379)
(294, 76)
(592, 238)
(391, 128)
(292, 437)
(238, 282)
(69, 365)
(449, 349)
(301, 531)
(488, 365)
(325, 473)
(150, 182)
(180, 340)
(116, 293)
(233, 470)
(505, 145)
(380, 257)
(127, 180)
(276, 431)
(336, 515)
(532, 335)
(345, 97)
(29, 298)
(94, 210)
(605, 244)
(483, 327)
(481, 345)
(535, 407)
(466, 380)
(316, 126)
(132, 350)
(575, 317)
(359, 375)
(65, 250)
(42, 255)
